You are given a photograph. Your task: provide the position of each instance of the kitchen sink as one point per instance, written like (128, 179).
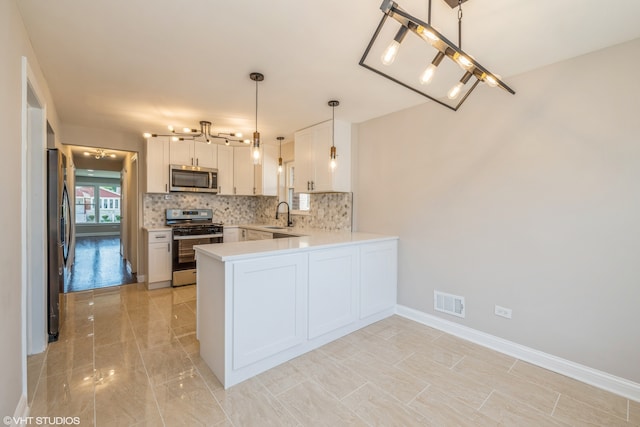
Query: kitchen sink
(274, 227)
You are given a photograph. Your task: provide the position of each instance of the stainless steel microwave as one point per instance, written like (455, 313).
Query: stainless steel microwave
(193, 178)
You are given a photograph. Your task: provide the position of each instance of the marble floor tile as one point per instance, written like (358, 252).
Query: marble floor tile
(510, 412)
(129, 356)
(186, 401)
(250, 404)
(311, 405)
(634, 413)
(332, 376)
(125, 398)
(541, 398)
(575, 412)
(469, 391)
(402, 385)
(441, 409)
(378, 408)
(593, 396)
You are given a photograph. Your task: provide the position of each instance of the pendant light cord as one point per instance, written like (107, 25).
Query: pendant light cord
(459, 24)
(333, 126)
(256, 105)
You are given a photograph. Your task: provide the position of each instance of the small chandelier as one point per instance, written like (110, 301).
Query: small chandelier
(100, 154)
(332, 153)
(438, 76)
(203, 135)
(256, 77)
(280, 138)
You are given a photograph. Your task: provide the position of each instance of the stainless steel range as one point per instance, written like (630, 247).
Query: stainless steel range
(190, 227)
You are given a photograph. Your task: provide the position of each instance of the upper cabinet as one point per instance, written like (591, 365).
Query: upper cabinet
(194, 153)
(225, 170)
(243, 171)
(158, 165)
(312, 155)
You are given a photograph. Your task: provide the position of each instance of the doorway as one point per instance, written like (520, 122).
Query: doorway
(100, 225)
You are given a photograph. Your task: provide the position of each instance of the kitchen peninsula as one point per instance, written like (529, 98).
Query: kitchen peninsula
(263, 302)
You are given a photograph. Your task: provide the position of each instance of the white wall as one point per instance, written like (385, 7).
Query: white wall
(531, 202)
(14, 44)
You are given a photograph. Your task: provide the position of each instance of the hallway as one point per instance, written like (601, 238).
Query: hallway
(98, 264)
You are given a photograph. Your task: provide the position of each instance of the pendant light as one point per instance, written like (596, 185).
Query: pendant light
(332, 154)
(280, 138)
(256, 77)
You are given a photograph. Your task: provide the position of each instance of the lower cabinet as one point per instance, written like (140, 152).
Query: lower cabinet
(158, 259)
(378, 276)
(269, 307)
(231, 234)
(333, 289)
(256, 313)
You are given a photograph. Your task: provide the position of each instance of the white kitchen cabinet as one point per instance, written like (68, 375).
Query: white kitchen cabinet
(257, 235)
(231, 234)
(157, 165)
(269, 298)
(193, 153)
(333, 289)
(225, 170)
(378, 277)
(312, 155)
(158, 259)
(266, 173)
(258, 310)
(243, 171)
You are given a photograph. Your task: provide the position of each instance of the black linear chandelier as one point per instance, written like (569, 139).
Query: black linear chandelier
(203, 135)
(426, 52)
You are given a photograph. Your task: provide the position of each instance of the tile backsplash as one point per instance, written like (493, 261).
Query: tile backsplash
(329, 211)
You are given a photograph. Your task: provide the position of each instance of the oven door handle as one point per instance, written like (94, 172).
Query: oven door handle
(197, 236)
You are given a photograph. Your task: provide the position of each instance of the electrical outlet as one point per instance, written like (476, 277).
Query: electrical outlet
(503, 312)
(167, 197)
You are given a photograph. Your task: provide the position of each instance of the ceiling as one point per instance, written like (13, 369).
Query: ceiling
(139, 65)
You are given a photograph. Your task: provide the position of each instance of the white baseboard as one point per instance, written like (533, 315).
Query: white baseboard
(594, 377)
(21, 412)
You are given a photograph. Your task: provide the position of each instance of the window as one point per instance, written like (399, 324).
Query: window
(106, 209)
(297, 201)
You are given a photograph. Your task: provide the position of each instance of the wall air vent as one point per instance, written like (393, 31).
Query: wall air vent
(447, 303)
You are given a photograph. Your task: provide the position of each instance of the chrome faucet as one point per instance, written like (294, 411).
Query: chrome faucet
(289, 222)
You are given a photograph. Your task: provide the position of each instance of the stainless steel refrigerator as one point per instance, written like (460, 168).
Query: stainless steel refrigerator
(59, 238)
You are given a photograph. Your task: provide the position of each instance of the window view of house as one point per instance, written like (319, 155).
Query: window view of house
(105, 208)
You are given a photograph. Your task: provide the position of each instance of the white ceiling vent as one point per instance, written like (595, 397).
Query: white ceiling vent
(447, 303)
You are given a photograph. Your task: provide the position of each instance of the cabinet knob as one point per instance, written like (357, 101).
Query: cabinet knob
(168, 247)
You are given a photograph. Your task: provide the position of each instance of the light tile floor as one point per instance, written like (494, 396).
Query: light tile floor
(127, 356)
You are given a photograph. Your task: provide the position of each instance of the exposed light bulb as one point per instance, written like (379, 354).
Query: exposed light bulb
(170, 127)
(491, 80)
(226, 142)
(238, 134)
(86, 153)
(146, 135)
(465, 62)
(256, 148)
(247, 141)
(429, 34)
(280, 165)
(186, 130)
(427, 76)
(256, 154)
(175, 138)
(390, 53)
(332, 158)
(455, 91)
(113, 156)
(333, 164)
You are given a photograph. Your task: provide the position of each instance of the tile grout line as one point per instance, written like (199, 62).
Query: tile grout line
(485, 400)
(144, 364)
(555, 405)
(512, 366)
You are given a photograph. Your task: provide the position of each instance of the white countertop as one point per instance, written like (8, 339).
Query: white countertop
(160, 228)
(311, 241)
